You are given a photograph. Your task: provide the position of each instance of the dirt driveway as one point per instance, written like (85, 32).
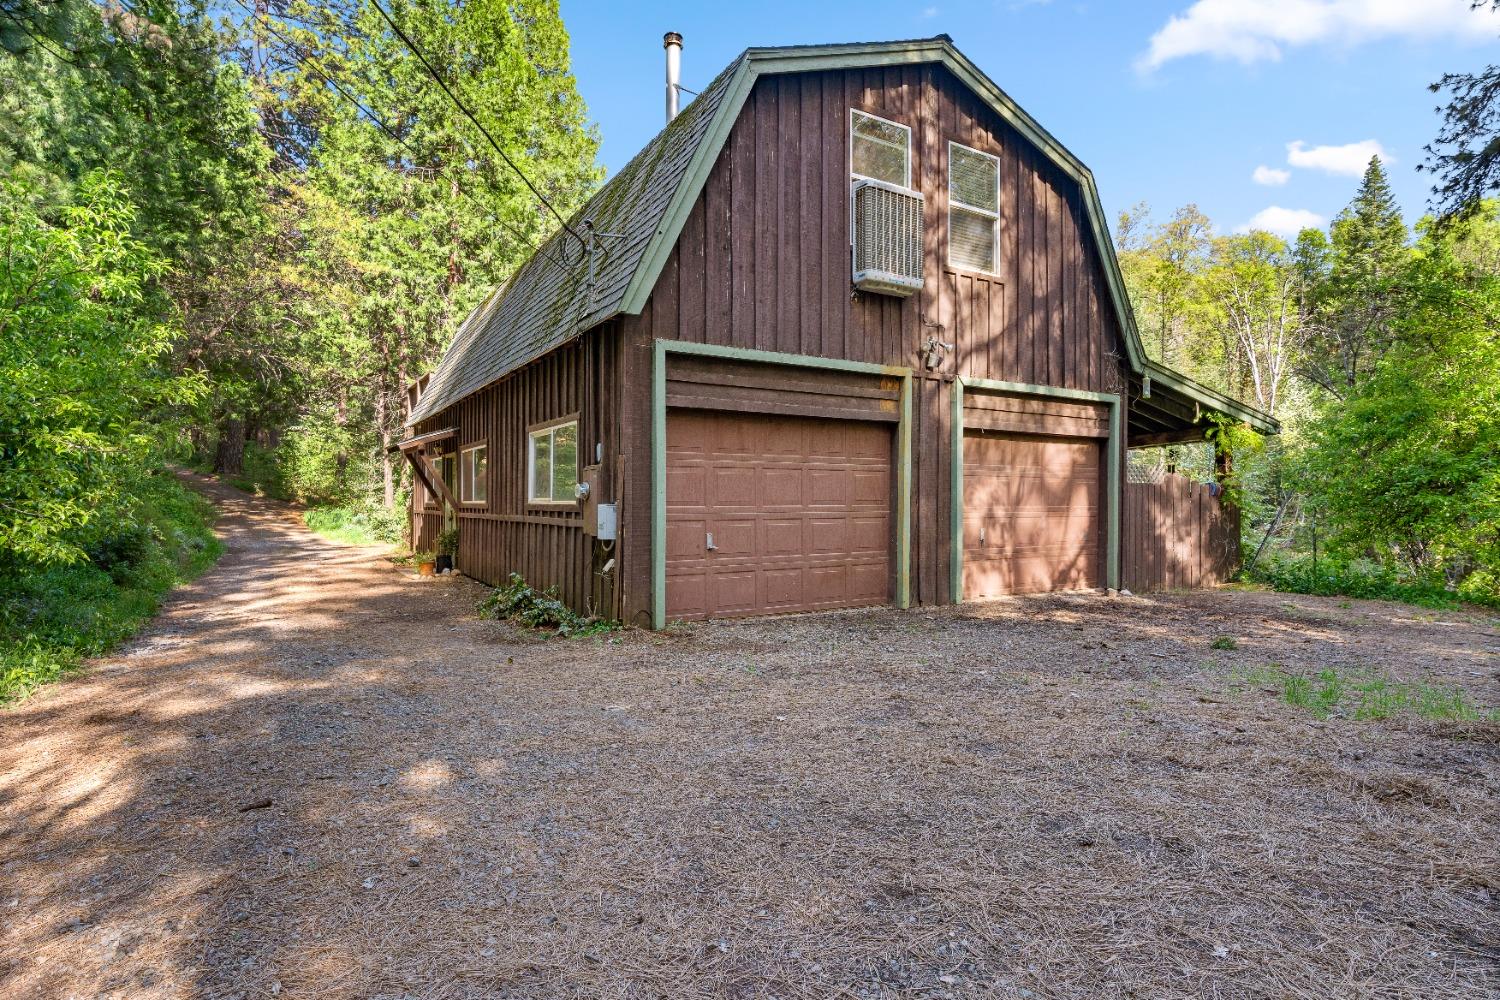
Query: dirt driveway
(316, 776)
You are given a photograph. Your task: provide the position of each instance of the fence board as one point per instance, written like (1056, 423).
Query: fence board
(1177, 535)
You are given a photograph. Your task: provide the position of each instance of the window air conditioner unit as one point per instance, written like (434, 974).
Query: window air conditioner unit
(887, 238)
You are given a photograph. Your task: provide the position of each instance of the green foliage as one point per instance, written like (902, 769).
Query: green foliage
(357, 524)
(1370, 580)
(1368, 696)
(1224, 642)
(51, 618)
(523, 604)
(82, 344)
(447, 542)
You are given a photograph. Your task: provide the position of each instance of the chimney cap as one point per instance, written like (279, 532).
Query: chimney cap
(671, 38)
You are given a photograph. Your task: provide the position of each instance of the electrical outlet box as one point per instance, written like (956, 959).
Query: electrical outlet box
(605, 526)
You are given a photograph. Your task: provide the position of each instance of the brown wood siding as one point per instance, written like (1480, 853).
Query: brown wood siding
(763, 263)
(506, 534)
(1176, 535)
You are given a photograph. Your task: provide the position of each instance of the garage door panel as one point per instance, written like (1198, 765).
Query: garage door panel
(781, 536)
(779, 487)
(871, 488)
(1035, 503)
(813, 532)
(829, 487)
(828, 534)
(687, 485)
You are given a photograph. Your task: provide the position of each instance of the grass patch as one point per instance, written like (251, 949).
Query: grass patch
(1368, 696)
(356, 524)
(523, 604)
(1224, 642)
(53, 617)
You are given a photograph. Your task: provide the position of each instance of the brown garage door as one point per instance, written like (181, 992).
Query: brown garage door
(770, 514)
(1031, 514)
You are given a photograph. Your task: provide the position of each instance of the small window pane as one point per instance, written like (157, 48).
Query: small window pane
(880, 149)
(564, 462)
(541, 466)
(971, 239)
(476, 466)
(973, 179)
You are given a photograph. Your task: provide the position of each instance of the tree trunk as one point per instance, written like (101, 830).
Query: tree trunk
(230, 458)
(387, 471)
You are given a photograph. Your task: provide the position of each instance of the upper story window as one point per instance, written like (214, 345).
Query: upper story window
(473, 468)
(879, 149)
(552, 463)
(973, 209)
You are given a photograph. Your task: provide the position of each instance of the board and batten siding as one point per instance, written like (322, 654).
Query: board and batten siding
(506, 534)
(763, 263)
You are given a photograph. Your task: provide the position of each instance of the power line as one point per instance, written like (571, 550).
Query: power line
(470, 115)
(375, 120)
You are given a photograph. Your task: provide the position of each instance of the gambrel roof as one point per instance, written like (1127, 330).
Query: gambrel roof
(645, 205)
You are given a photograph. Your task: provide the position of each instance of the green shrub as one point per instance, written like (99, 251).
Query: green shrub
(262, 473)
(357, 523)
(1368, 580)
(523, 604)
(52, 617)
(1224, 642)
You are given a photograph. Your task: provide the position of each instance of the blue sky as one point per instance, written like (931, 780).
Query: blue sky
(1168, 102)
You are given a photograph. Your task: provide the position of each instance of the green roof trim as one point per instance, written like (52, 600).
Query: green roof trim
(650, 199)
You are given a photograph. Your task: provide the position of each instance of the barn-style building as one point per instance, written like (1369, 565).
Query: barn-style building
(849, 331)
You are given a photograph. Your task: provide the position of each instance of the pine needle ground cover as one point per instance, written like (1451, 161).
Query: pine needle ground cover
(359, 787)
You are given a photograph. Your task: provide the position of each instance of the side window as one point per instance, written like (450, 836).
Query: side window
(879, 150)
(447, 470)
(552, 463)
(973, 209)
(474, 474)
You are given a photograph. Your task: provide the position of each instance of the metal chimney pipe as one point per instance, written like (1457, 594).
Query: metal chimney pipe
(672, 42)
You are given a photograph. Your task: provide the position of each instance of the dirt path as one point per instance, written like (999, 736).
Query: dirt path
(316, 776)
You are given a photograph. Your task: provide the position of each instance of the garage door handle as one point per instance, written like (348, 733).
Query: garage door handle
(711, 546)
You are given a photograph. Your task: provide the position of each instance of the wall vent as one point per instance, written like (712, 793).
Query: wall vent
(887, 241)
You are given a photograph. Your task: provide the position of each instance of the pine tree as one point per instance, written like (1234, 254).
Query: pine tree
(1350, 313)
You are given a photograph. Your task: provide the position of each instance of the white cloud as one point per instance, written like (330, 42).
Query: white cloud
(1252, 30)
(1349, 160)
(1286, 222)
(929, 12)
(1270, 176)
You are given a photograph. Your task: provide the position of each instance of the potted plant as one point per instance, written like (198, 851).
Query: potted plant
(447, 548)
(426, 563)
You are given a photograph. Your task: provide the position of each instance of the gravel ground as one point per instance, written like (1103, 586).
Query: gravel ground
(318, 776)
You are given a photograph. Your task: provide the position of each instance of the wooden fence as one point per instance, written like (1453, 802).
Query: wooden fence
(1176, 535)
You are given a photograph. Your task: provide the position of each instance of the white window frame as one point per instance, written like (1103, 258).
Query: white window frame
(466, 474)
(548, 429)
(994, 216)
(905, 128)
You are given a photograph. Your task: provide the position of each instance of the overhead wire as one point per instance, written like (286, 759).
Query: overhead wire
(438, 79)
(375, 120)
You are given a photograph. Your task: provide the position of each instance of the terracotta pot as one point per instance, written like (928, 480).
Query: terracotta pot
(426, 569)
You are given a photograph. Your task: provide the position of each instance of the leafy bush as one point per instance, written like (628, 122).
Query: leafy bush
(523, 604)
(52, 617)
(358, 523)
(447, 542)
(1364, 579)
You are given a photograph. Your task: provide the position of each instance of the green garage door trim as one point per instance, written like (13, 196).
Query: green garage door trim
(659, 454)
(1112, 488)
